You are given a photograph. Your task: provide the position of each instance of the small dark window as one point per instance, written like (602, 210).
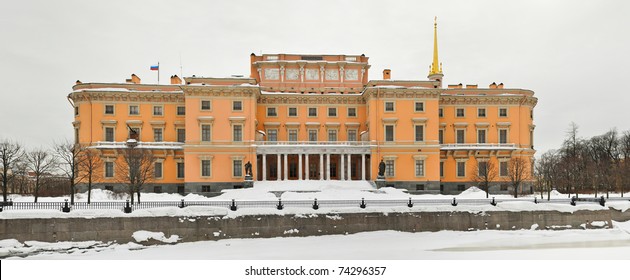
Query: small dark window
(205, 188)
(180, 189)
(109, 188)
(109, 109)
(181, 110)
(419, 187)
(205, 105)
(237, 105)
(441, 188)
(238, 186)
(461, 188)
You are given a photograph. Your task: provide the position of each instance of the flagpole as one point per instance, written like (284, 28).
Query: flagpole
(158, 72)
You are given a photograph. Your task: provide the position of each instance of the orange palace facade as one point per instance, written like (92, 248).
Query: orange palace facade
(308, 117)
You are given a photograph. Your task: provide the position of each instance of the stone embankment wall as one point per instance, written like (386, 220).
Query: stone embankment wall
(265, 226)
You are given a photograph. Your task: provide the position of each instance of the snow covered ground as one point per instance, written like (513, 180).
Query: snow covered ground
(305, 191)
(389, 245)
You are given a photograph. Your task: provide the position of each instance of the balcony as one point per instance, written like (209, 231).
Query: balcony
(479, 146)
(141, 145)
(295, 147)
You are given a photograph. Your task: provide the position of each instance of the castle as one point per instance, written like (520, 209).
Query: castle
(308, 117)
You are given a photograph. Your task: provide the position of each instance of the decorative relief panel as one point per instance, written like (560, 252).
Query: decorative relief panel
(332, 74)
(312, 74)
(292, 74)
(272, 74)
(352, 74)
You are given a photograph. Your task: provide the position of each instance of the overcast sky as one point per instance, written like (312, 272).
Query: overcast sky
(572, 54)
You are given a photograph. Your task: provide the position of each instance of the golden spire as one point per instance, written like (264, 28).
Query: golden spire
(436, 66)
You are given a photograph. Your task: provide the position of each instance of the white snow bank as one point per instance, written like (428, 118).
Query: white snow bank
(143, 235)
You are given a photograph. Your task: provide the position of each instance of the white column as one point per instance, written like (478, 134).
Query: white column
(350, 167)
(327, 166)
(321, 166)
(341, 173)
(299, 166)
(286, 166)
(279, 170)
(306, 167)
(264, 167)
(363, 167)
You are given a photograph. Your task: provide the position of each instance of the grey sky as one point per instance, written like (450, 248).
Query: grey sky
(573, 54)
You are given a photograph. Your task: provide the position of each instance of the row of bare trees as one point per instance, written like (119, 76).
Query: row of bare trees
(65, 166)
(600, 164)
(486, 172)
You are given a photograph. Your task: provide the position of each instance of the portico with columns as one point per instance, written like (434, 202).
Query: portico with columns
(319, 162)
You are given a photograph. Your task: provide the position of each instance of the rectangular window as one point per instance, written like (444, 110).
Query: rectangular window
(460, 136)
(503, 136)
(481, 112)
(158, 110)
(332, 112)
(237, 134)
(293, 135)
(109, 109)
(134, 110)
(389, 168)
(181, 135)
(332, 135)
(312, 135)
(272, 112)
(389, 106)
(312, 112)
(459, 112)
(503, 168)
(419, 133)
(352, 112)
(441, 169)
(206, 105)
(109, 134)
(205, 168)
(440, 112)
(461, 169)
(461, 188)
(389, 133)
(481, 136)
(237, 105)
(482, 167)
(181, 189)
(352, 135)
(206, 135)
(503, 112)
(206, 189)
(293, 112)
(419, 107)
(181, 110)
(109, 169)
(441, 136)
(237, 168)
(157, 135)
(158, 169)
(272, 135)
(180, 170)
(419, 168)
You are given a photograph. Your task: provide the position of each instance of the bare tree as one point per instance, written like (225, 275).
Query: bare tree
(136, 168)
(518, 172)
(69, 155)
(41, 163)
(484, 173)
(624, 168)
(10, 152)
(90, 166)
(547, 170)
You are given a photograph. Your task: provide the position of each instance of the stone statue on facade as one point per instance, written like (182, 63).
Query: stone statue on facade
(381, 169)
(248, 169)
